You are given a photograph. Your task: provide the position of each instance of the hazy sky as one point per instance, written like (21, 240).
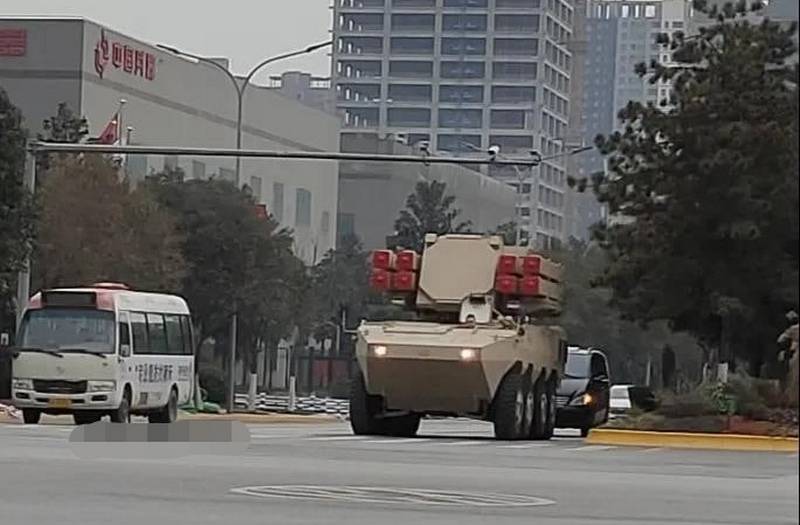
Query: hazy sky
(246, 31)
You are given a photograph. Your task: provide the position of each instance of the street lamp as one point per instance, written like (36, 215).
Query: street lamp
(240, 85)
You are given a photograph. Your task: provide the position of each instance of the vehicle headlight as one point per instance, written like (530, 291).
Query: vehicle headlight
(101, 386)
(22, 384)
(468, 354)
(582, 400)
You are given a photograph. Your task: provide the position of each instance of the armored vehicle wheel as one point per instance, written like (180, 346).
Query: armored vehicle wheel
(530, 406)
(401, 426)
(364, 409)
(550, 422)
(541, 410)
(509, 407)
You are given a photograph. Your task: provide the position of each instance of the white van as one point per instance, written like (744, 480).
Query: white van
(103, 350)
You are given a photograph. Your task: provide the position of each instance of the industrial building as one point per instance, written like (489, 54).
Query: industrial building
(173, 101)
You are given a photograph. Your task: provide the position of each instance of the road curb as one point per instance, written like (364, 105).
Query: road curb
(641, 438)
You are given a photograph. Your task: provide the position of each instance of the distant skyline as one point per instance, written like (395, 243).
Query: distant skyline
(243, 31)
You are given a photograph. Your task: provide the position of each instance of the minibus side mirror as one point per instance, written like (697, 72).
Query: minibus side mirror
(125, 350)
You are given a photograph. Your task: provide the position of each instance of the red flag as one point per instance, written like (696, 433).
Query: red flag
(110, 134)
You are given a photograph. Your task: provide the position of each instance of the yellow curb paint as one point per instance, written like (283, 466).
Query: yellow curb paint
(639, 438)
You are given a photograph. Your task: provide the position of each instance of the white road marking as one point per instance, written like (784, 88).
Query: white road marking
(524, 446)
(588, 448)
(463, 443)
(396, 441)
(337, 438)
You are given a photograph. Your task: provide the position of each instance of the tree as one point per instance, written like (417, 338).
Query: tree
(508, 231)
(428, 210)
(94, 227)
(340, 283)
(705, 190)
(17, 207)
(589, 321)
(64, 126)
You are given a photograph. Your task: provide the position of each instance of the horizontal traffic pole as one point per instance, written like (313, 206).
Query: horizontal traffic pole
(54, 147)
(739, 442)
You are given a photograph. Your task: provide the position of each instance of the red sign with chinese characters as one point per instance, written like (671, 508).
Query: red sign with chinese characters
(13, 42)
(129, 59)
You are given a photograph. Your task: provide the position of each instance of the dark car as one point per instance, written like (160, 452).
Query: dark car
(583, 396)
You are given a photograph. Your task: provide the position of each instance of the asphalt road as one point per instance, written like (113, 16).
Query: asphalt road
(453, 474)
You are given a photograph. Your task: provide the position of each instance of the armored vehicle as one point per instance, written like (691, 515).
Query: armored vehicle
(482, 344)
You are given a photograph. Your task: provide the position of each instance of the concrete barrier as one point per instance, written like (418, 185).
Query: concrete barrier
(640, 438)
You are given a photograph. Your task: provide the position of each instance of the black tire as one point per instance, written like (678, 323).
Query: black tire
(85, 418)
(509, 407)
(365, 409)
(552, 409)
(169, 412)
(31, 416)
(123, 413)
(401, 426)
(530, 406)
(541, 410)
(585, 431)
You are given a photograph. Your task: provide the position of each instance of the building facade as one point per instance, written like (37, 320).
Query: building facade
(172, 101)
(464, 75)
(619, 34)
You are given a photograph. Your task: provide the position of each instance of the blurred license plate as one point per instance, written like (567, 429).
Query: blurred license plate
(60, 403)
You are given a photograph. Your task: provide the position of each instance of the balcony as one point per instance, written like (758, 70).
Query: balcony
(517, 5)
(360, 5)
(360, 24)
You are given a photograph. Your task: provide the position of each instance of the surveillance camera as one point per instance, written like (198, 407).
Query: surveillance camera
(494, 150)
(536, 155)
(424, 146)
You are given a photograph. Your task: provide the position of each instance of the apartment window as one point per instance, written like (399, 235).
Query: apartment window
(510, 143)
(460, 118)
(514, 70)
(516, 46)
(360, 45)
(359, 68)
(412, 46)
(410, 92)
(463, 46)
(255, 187)
(198, 170)
(463, 69)
(464, 22)
(458, 94)
(413, 23)
(415, 138)
(302, 209)
(407, 69)
(649, 11)
(277, 201)
(517, 4)
(466, 3)
(459, 143)
(508, 119)
(361, 117)
(517, 23)
(414, 3)
(677, 24)
(410, 117)
(361, 22)
(358, 92)
(513, 94)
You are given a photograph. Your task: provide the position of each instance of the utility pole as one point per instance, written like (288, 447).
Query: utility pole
(24, 276)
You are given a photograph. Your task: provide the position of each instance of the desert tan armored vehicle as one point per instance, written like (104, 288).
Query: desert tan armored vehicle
(481, 346)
